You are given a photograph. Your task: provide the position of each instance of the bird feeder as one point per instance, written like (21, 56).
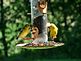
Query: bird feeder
(39, 31)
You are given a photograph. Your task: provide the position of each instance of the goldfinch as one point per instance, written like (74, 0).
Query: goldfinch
(53, 30)
(25, 31)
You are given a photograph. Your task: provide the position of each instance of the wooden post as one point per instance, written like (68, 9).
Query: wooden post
(39, 20)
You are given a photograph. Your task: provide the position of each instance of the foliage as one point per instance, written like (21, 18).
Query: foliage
(66, 14)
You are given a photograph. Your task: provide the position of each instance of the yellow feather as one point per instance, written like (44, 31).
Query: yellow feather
(53, 30)
(25, 31)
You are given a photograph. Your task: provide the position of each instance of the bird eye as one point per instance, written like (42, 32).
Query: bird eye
(48, 27)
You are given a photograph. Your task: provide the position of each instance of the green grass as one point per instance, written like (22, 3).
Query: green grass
(24, 59)
(58, 60)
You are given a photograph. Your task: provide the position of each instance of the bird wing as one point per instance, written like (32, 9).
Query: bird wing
(25, 31)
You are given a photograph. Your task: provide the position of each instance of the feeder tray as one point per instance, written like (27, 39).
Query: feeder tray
(27, 46)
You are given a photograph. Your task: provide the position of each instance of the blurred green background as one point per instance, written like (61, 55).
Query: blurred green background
(66, 14)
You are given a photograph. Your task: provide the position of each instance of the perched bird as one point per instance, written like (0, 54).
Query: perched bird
(25, 31)
(53, 30)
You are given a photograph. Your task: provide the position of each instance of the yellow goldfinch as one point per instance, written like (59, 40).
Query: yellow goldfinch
(53, 30)
(25, 31)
